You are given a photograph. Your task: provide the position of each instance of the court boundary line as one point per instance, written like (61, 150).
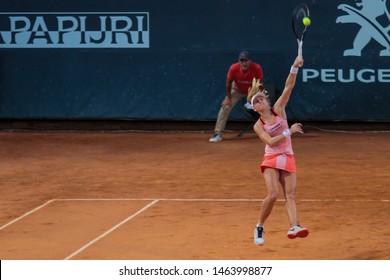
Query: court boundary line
(181, 199)
(111, 230)
(219, 199)
(153, 201)
(27, 214)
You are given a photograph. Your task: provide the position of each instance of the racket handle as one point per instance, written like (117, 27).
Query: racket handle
(300, 43)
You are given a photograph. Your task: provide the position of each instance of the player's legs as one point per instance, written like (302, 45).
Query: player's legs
(289, 183)
(271, 177)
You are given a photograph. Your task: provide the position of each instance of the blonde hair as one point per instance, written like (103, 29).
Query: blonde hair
(256, 87)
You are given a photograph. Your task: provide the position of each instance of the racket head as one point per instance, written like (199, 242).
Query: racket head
(299, 29)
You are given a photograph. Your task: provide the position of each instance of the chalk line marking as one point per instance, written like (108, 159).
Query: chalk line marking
(155, 200)
(185, 199)
(111, 230)
(26, 214)
(220, 199)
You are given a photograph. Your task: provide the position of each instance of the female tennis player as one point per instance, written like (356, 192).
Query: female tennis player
(278, 165)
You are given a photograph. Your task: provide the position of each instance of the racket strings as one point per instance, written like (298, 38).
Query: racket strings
(299, 13)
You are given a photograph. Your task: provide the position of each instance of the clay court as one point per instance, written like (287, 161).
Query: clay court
(173, 195)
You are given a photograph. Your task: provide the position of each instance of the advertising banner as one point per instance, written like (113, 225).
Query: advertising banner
(168, 60)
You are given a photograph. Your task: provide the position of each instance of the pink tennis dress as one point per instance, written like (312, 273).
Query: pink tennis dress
(281, 156)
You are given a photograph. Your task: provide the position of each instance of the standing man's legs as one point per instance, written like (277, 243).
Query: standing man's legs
(223, 116)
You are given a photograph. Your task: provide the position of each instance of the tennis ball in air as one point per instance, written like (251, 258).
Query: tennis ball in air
(306, 21)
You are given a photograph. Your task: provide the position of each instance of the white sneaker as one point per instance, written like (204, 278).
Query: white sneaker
(258, 236)
(216, 138)
(297, 231)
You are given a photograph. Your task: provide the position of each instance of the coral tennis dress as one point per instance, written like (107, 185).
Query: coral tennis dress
(280, 156)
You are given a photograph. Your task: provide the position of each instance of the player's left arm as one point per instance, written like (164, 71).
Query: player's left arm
(272, 141)
(265, 137)
(281, 103)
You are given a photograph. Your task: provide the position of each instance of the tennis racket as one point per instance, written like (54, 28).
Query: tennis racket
(301, 11)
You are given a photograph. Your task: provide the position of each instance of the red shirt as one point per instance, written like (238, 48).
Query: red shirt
(244, 80)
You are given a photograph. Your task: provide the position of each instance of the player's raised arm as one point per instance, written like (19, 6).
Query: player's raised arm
(282, 101)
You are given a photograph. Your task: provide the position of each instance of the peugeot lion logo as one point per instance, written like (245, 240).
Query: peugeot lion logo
(370, 29)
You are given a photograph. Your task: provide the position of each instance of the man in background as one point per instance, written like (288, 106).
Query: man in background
(239, 79)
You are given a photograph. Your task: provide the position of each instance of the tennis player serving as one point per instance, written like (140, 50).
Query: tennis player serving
(278, 166)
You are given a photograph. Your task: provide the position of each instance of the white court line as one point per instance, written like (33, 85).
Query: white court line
(155, 200)
(26, 214)
(186, 199)
(220, 199)
(111, 230)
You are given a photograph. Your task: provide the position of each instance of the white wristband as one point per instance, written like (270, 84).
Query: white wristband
(294, 70)
(286, 133)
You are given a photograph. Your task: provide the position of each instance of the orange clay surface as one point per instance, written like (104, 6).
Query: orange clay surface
(175, 196)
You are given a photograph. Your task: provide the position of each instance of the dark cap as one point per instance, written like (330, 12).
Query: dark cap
(244, 55)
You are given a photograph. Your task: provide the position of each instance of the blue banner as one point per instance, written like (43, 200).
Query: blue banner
(154, 60)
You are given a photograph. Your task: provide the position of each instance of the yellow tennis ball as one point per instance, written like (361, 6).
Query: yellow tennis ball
(306, 21)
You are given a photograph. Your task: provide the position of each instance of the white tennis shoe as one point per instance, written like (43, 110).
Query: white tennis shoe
(258, 236)
(216, 138)
(297, 231)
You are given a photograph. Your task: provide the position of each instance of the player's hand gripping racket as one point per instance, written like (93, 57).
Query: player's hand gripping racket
(299, 25)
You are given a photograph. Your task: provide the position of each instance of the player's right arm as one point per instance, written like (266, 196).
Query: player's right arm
(282, 101)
